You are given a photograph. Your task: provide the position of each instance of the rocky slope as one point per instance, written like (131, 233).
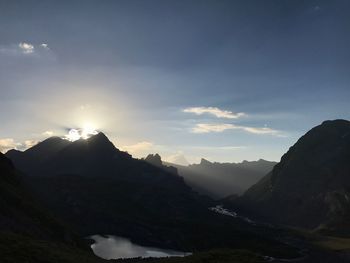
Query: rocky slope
(310, 187)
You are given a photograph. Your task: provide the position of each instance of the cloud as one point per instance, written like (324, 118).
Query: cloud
(8, 144)
(207, 128)
(263, 130)
(28, 144)
(26, 48)
(214, 111)
(138, 148)
(177, 158)
(48, 133)
(44, 45)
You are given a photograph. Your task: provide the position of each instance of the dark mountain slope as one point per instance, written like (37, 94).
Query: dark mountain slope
(219, 180)
(310, 187)
(27, 230)
(98, 189)
(29, 159)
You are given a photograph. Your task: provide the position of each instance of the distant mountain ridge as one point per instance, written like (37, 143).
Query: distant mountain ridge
(219, 180)
(310, 187)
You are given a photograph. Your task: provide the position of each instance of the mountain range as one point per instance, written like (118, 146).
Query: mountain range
(58, 192)
(97, 189)
(219, 180)
(310, 186)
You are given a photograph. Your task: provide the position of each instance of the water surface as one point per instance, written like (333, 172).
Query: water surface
(113, 247)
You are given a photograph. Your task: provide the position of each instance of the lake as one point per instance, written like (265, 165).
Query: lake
(113, 247)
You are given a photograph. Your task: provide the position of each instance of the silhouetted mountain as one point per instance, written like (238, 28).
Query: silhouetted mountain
(310, 187)
(98, 189)
(154, 159)
(27, 230)
(40, 152)
(219, 180)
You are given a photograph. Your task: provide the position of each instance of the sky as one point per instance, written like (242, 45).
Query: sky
(222, 80)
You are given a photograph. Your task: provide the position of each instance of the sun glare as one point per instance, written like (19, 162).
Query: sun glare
(82, 133)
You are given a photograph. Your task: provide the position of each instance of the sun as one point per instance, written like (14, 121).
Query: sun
(81, 133)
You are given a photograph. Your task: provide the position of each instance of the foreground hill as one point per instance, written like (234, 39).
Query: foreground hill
(219, 180)
(27, 230)
(98, 189)
(310, 187)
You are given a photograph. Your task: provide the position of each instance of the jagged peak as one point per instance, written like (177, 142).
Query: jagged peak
(154, 159)
(101, 141)
(204, 161)
(98, 136)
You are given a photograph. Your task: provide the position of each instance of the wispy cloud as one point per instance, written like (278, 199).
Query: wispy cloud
(208, 127)
(26, 48)
(28, 144)
(177, 158)
(219, 113)
(138, 148)
(262, 130)
(23, 48)
(44, 45)
(48, 133)
(7, 144)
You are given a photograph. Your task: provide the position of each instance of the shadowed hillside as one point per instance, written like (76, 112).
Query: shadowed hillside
(310, 187)
(29, 233)
(98, 189)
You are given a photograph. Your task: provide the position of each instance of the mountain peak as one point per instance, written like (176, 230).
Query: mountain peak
(47, 147)
(154, 159)
(205, 162)
(99, 137)
(101, 142)
(306, 178)
(336, 122)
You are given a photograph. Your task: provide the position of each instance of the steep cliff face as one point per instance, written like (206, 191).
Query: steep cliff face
(310, 187)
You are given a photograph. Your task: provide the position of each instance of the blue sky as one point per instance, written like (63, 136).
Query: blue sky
(223, 80)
